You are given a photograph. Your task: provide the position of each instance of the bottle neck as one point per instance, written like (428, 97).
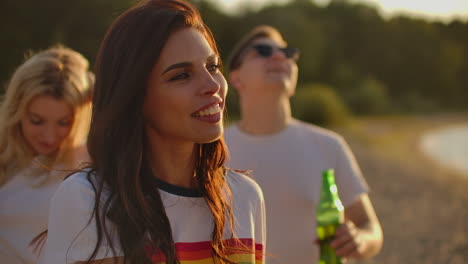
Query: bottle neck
(329, 190)
(330, 209)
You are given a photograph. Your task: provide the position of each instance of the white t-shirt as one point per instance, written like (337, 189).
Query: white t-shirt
(288, 167)
(72, 239)
(24, 208)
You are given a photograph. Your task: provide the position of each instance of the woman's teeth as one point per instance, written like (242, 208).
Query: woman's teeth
(214, 109)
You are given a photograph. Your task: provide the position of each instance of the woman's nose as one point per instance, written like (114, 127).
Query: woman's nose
(210, 85)
(49, 135)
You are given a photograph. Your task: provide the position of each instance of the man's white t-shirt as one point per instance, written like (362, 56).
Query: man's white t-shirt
(72, 236)
(288, 167)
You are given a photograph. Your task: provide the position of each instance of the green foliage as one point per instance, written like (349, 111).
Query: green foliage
(415, 102)
(36, 25)
(376, 65)
(368, 98)
(232, 104)
(319, 104)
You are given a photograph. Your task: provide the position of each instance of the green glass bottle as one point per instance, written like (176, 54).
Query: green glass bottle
(329, 216)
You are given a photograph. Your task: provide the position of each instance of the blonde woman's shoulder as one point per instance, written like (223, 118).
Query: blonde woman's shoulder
(80, 156)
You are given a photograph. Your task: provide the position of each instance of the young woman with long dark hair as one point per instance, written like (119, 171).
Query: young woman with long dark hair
(157, 190)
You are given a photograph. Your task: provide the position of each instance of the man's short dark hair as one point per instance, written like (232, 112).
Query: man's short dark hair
(237, 53)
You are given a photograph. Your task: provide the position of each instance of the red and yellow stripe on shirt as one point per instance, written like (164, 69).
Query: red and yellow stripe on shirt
(242, 251)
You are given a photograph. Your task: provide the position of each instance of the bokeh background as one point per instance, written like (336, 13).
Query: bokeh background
(384, 76)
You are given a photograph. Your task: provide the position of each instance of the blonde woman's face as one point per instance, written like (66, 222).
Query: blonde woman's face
(46, 124)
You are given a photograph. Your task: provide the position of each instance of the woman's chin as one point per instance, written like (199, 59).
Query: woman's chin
(212, 136)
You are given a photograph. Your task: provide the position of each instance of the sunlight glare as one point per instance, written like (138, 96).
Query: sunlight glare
(429, 8)
(438, 9)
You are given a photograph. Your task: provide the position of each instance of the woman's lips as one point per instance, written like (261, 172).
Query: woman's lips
(211, 113)
(215, 118)
(46, 147)
(210, 110)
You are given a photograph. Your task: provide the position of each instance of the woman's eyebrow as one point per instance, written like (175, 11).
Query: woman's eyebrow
(177, 65)
(34, 115)
(188, 64)
(212, 57)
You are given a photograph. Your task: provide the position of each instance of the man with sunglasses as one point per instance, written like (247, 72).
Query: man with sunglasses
(287, 156)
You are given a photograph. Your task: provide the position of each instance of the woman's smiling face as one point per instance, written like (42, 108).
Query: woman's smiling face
(186, 91)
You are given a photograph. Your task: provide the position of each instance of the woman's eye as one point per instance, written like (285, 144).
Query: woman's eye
(36, 121)
(180, 76)
(65, 123)
(214, 68)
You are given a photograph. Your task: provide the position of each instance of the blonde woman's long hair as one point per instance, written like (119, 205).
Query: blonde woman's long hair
(59, 72)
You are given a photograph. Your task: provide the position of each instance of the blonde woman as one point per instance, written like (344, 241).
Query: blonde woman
(44, 120)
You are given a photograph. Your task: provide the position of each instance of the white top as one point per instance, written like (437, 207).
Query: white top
(24, 208)
(71, 238)
(288, 167)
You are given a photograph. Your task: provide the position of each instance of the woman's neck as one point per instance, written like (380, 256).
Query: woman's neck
(172, 162)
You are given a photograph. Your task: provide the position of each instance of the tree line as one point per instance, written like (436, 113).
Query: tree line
(350, 54)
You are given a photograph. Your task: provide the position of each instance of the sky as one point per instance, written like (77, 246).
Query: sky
(443, 10)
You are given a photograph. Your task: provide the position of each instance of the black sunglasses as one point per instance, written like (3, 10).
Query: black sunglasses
(266, 51)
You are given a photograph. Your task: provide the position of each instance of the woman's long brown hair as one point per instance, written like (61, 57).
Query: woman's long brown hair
(117, 142)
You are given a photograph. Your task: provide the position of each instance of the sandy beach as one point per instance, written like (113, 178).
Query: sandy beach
(422, 205)
(448, 145)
